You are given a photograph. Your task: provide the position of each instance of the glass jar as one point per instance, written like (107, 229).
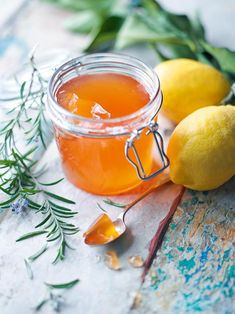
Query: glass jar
(108, 156)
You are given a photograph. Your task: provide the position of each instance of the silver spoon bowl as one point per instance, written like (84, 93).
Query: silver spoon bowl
(118, 224)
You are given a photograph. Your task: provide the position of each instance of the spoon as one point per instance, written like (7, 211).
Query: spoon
(104, 230)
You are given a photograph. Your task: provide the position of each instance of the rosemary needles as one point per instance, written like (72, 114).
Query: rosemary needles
(20, 179)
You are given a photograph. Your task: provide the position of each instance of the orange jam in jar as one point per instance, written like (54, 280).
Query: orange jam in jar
(103, 107)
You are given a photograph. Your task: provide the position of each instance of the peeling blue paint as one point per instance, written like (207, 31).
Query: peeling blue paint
(197, 266)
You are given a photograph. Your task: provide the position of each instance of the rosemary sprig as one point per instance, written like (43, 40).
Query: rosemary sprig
(66, 285)
(112, 203)
(20, 180)
(37, 131)
(21, 186)
(100, 207)
(108, 201)
(27, 115)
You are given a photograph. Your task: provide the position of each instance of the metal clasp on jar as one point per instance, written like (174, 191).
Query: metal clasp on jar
(130, 144)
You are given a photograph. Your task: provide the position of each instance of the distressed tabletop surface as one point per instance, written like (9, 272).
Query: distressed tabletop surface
(194, 270)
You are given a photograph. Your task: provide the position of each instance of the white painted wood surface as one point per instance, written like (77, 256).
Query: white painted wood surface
(101, 290)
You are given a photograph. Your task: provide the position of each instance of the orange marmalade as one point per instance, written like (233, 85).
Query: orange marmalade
(101, 231)
(95, 103)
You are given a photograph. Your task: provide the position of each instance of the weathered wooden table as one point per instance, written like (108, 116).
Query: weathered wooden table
(194, 270)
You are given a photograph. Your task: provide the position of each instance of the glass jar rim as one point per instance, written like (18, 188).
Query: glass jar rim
(55, 110)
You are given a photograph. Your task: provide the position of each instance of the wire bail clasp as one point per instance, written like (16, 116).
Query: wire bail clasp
(130, 144)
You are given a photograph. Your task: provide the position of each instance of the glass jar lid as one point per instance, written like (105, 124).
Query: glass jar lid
(104, 63)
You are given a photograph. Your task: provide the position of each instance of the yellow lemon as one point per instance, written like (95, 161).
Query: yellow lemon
(202, 148)
(188, 85)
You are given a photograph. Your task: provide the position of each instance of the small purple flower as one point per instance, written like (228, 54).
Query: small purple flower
(19, 205)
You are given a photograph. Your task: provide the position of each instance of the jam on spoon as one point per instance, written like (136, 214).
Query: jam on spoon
(104, 230)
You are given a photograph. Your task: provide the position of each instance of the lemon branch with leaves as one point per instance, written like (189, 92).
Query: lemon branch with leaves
(114, 24)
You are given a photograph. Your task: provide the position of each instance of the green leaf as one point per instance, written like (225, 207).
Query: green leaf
(112, 203)
(8, 123)
(134, 31)
(205, 58)
(7, 163)
(137, 29)
(60, 253)
(5, 191)
(52, 183)
(70, 232)
(54, 238)
(60, 207)
(29, 269)
(28, 153)
(180, 51)
(224, 57)
(69, 246)
(198, 27)
(10, 200)
(41, 304)
(35, 256)
(66, 224)
(66, 285)
(60, 198)
(70, 228)
(30, 191)
(100, 207)
(84, 22)
(53, 230)
(179, 24)
(106, 35)
(22, 88)
(64, 214)
(31, 235)
(33, 204)
(49, 224)
(44, 220)
(4, 207)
